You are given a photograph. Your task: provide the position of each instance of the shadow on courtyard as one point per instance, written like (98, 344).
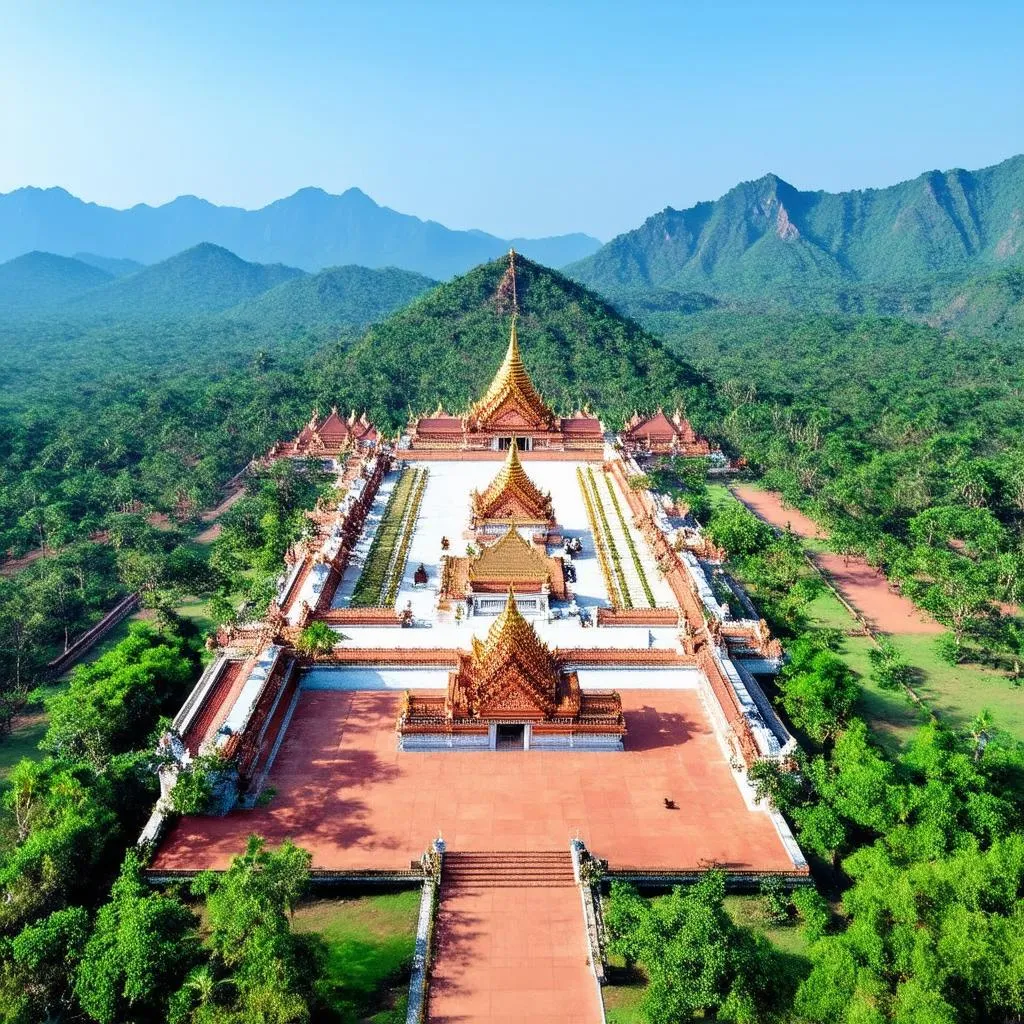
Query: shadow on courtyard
(649, 729)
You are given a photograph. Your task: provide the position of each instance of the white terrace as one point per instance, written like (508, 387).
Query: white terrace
(445, 513)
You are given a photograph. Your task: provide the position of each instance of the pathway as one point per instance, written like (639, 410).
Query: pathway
(862, 585)
(510, 943)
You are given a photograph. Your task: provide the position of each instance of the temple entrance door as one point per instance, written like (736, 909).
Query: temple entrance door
(510, 737)
(524, 444)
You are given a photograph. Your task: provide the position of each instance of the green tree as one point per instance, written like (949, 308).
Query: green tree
(819, 690)
(268, 973)
(318, 638)
(62, 823)
(696, 959)
(936, 942)
(739, 531)
(37, 967)
(141, 948)
(112, 703)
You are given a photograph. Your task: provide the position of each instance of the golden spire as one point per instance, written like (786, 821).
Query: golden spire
(512, 495)
(512, 385)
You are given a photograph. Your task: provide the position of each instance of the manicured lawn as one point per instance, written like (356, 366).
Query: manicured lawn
(622, 1001)
(369, 943)
(23, 739)
(198, 610)
(956, 693)
(373, 580)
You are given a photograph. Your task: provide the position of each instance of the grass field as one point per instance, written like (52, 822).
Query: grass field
(622, 1001)
(370, 943)
(956, 693)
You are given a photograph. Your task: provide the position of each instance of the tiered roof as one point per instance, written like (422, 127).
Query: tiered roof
(662, 430)
(511, 560)
(511, 672)
(512, 400)
(333, 433)
(512, 496)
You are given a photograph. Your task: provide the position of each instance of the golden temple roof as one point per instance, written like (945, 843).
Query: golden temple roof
(513, 657)
(510, 560)
(513, 387)
(512, 496)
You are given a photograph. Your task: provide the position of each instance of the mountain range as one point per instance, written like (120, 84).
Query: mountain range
(311, 229)
(768, 241)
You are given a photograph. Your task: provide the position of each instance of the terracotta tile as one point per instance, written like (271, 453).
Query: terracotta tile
(344, 792)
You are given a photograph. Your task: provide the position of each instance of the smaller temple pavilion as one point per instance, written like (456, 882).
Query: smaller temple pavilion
(329, 437)
(511, 499)
(483, 580)
(510, 692)
(661, 434)
(510, 413)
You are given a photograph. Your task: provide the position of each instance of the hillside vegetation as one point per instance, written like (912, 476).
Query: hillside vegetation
(66, 323)
(337, 296)
(40, 281)
(767, 240)
(447, 345)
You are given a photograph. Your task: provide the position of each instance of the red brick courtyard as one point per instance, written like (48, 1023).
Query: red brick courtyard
(345, 792)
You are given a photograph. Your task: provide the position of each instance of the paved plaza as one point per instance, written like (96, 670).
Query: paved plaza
(344, 791)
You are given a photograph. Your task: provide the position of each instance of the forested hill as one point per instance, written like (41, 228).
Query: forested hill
(203, 279)
(41, 280)
(447, 345)
(765, 238)
(311, 229)
(335, 296)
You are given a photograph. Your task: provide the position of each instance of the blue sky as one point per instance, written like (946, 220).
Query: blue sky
(518, 118)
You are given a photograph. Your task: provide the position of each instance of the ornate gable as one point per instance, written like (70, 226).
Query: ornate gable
(511, 401)
(512, 496)
(510, 671)
(658, 426)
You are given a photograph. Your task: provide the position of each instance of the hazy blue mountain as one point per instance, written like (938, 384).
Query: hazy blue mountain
(337, 296)
(311, 229)
(767, 239)
(201, 280)
(111, 264)
(41, 281)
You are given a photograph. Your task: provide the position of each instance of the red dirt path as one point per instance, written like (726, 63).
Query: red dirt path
(512, 955)
(347, 794)
(862, 585)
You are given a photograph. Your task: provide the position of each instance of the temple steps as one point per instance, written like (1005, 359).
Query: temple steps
(507, 869)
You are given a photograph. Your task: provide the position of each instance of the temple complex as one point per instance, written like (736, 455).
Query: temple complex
(536, 660)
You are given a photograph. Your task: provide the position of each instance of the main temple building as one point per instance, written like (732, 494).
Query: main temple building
(510, 412)
(533, 653)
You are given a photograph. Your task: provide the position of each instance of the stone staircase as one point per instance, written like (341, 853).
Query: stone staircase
(507, 869)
